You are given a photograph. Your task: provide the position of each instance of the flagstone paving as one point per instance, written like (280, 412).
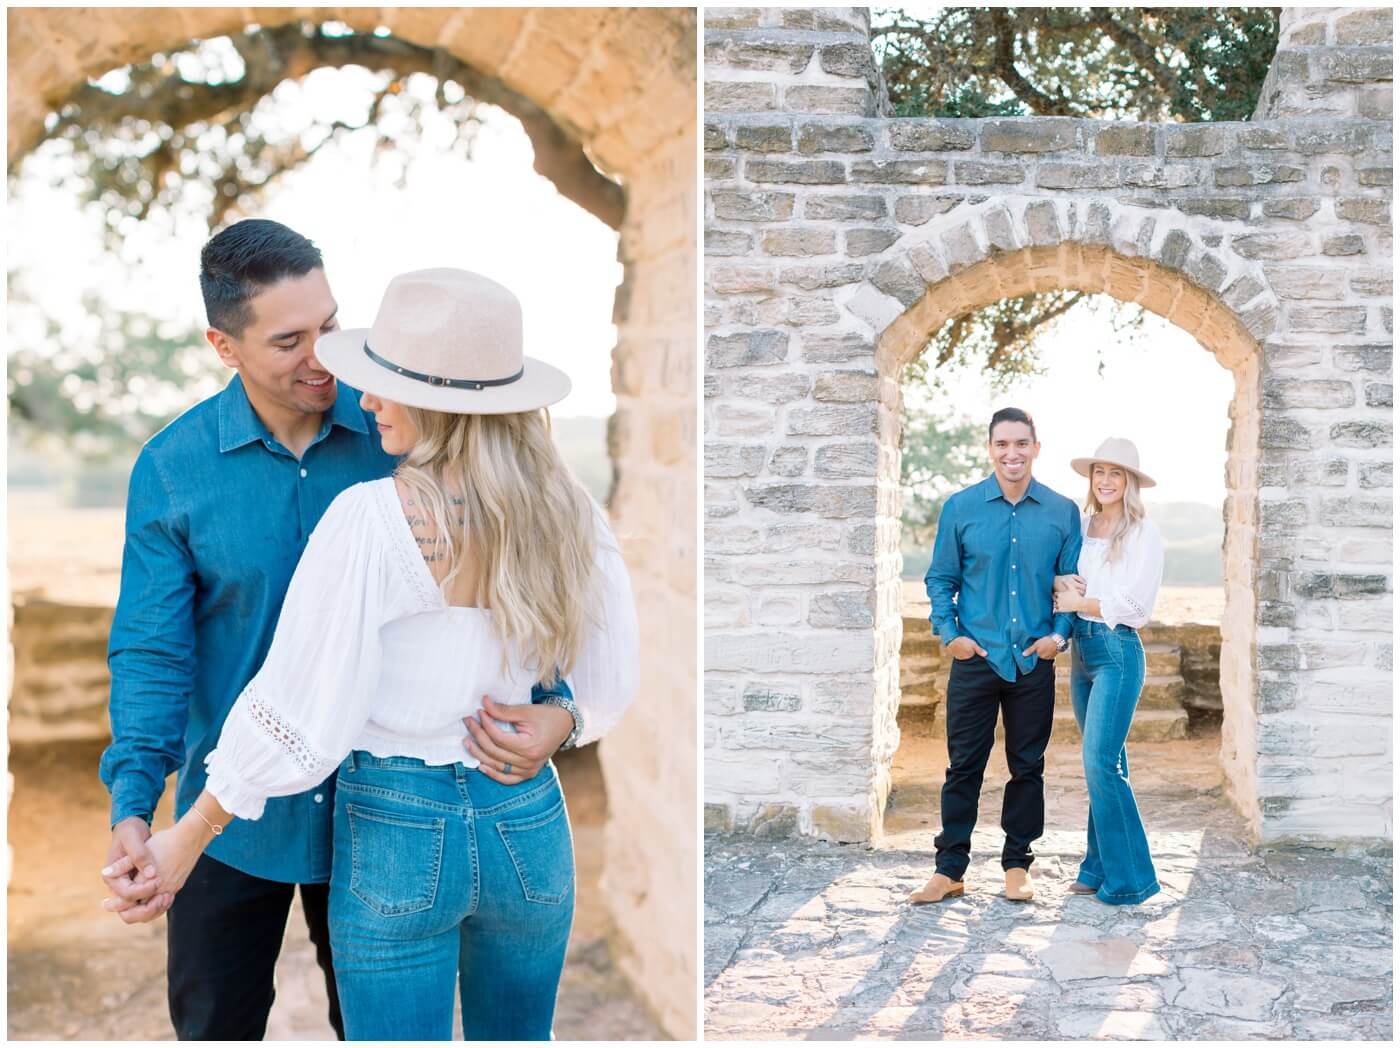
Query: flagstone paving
(807, 940)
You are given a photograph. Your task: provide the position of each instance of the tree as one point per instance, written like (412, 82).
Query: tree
(1138, 63)
(939, 457)
(200, 128)
(103, 386)
(1181, 63)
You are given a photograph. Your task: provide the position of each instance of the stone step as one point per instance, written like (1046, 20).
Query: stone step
(1163, 692)
(1149, 725)
(1162, 659)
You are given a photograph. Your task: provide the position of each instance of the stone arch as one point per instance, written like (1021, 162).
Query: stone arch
(836, 233)
(977, 254)
(621, 83)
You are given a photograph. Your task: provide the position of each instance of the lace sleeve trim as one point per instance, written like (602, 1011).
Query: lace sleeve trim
(309, 760)
(411, 566)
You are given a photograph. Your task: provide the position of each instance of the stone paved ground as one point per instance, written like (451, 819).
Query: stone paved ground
(77, 973)
(806, 940)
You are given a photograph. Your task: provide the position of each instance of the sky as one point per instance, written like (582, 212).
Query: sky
(493, 215)
(1161, 390)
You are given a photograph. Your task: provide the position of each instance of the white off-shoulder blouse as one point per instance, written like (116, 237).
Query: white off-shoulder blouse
(367, 655)
(1125, 588)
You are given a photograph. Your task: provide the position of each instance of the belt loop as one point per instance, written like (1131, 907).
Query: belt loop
(350, 761)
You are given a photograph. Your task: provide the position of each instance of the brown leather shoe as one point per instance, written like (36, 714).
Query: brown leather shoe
(938, 888)
(1018, 885)
(1080, 888)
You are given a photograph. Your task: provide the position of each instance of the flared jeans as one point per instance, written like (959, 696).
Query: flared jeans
(1107, 669)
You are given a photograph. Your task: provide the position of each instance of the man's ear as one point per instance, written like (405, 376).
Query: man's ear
(224, 346)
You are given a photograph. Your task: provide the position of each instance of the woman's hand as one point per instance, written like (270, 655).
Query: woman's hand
(1069, 600)
(1076, 583)
(175, 851)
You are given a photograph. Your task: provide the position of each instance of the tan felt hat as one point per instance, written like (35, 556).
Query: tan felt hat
(446, 340)
(1116, 451)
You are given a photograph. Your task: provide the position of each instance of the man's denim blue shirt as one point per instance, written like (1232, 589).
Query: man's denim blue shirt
(217, 516)
(993, 571)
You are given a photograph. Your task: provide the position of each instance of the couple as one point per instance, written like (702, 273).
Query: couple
(453, 610)
(1017, 575)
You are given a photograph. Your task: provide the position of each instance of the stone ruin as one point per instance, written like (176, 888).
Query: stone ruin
(839, 238)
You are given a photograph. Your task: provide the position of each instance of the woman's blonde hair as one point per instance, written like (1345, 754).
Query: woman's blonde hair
(1134, 512)
(530, 523)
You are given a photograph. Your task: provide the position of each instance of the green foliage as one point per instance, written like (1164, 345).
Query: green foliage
(940, 456)
(1182, 63)
(101, 386)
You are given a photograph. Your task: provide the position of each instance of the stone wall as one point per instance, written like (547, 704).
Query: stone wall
(838, 239)
(622, 82)
(60, 681)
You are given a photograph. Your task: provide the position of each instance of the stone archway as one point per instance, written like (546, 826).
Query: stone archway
(837, 235)
(621, 83)
(975, 255)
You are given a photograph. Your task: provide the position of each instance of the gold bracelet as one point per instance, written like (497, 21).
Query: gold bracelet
(217, 829)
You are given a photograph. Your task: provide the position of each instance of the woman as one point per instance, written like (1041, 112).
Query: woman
(1120, 571)
(478, 568)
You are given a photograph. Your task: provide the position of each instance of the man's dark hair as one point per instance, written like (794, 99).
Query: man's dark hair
(244, 259)
(1010, 415)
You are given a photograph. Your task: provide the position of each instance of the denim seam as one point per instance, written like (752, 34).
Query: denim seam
(535, 822)
(395, 909)
(395, 795)
(517, 801)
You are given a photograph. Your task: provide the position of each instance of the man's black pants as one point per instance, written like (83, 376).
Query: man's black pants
(224, 932)
(975, 693)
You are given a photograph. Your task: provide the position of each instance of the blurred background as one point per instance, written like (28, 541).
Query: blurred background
(389, 156)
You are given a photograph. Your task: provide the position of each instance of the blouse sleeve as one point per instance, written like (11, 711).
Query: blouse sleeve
(1134, 586)
(297, 718)
(607, 673)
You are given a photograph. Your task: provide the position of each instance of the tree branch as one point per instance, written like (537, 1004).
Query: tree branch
(271, 56)
(1005, 67)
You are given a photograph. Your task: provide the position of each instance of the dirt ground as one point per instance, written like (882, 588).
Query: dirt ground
(76, 972)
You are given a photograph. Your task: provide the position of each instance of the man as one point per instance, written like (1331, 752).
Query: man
(999, 546)
(220, 507)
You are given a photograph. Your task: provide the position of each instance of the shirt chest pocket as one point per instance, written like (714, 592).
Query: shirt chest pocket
(984, 543)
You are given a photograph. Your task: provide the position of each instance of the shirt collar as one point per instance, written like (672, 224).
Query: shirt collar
(991, 490)
(239, 423)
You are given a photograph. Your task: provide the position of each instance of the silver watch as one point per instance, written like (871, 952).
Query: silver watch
(565, 702)
(1061, 645)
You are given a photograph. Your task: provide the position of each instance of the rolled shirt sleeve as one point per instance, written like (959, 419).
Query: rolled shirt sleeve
(151, 648)
(296, 719)
(607, 673)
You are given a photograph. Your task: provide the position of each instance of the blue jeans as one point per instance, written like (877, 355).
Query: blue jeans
(1106, 674)
(443, 878)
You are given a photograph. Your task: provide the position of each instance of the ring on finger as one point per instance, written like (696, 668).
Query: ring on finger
(505, 768)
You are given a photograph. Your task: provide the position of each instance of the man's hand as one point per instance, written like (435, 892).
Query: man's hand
(1046, 648)
(130, 874)
(964, 648)
(1077, 583)
(539, 731)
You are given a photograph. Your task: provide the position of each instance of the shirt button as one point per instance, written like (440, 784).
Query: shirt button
(318, 798)
(1013, 567)
(303, 473)
(1013, 620)
(1013, 593)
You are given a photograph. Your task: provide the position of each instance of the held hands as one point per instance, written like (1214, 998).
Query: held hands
(131, 874)
(539, 731)
(964, 648)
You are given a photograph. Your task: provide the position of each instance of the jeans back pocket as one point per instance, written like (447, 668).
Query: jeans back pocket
(542, 849)
(395, 860)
